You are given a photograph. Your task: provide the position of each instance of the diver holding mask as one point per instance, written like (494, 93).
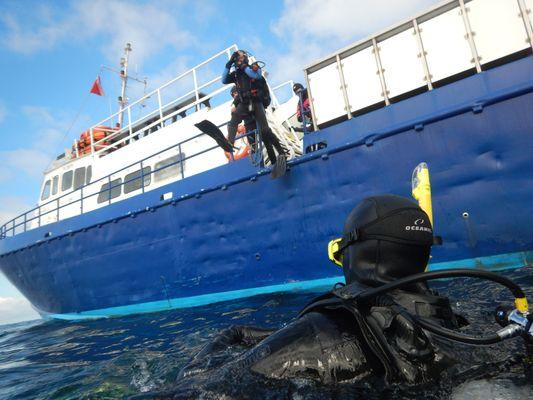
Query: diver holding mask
(253, 96)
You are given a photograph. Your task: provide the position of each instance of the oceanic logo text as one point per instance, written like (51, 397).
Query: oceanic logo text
(417, 226)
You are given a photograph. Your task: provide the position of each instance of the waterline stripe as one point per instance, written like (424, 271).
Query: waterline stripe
(496, 263)
(201, 300)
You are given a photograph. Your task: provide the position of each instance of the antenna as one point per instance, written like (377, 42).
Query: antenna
(122, 99)
(125, 77)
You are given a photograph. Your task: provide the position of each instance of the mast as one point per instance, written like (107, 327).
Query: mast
(122, 99)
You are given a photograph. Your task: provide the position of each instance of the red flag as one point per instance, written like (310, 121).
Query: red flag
(97, 87)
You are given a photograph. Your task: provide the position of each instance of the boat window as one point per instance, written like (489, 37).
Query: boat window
(106, 194)
(135, 180)
(79, 177)
(66, 181)
(55, 185)
(171, 170)
(89, 174)
(46, 190)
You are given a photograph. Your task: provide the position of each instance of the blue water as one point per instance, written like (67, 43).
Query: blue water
(120, 357)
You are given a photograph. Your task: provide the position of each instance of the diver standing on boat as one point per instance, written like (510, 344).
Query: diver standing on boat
(249, 122)
(253, 98)
(303, 108)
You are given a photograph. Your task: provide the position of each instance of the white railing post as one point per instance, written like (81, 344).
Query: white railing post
(311, 101)
(525, 12)
(343, 88)
(470, 35)
(385, 92)
(160, 105)
(92, 140)
(422, 54)
(195, 79)
(130, 128)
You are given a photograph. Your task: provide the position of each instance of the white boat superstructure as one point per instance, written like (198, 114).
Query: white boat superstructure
(113, 161)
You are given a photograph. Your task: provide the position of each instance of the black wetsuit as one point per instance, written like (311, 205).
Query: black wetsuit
(253, 98)
(333, 341)
(249, 123)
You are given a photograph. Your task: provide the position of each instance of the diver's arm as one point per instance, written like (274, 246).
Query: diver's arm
(227, 77)
(231, 336)
(251, 335)
(253, 74)
(234, 335)
(315, 346)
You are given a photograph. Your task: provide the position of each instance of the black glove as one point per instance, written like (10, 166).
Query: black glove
(229, 63)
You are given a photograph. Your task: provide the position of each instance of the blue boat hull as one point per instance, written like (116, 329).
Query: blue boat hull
(233, 231)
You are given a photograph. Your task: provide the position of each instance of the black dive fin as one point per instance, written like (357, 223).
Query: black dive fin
(279, 168)
(212, 130)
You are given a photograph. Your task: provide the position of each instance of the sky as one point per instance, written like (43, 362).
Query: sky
(51, 51)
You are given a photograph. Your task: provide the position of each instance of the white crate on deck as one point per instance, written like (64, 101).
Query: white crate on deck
(362, 79)
(446, 46)
(403, 69)
(327, 94)
(498, 28)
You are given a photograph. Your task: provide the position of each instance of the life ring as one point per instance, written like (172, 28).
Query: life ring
(243, 149)
(241, 152)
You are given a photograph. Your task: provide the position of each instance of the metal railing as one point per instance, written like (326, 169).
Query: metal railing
(37, 214)
(158, 117)
(374, 42)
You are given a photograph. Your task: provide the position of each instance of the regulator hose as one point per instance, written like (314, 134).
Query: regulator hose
(518, 293)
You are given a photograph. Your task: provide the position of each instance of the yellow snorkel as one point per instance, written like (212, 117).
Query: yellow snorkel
(421, 189)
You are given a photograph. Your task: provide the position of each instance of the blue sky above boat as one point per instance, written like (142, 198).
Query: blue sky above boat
(52, 51)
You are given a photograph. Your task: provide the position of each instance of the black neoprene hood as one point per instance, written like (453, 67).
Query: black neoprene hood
(394, 240)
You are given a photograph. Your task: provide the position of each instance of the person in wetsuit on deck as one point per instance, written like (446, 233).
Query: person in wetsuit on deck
(247, 119)
(253, 98)
(334, 338)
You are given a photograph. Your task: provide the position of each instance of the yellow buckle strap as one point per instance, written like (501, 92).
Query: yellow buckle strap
(333, 250)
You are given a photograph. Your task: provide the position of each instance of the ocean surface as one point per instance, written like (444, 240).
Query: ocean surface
(142, 354)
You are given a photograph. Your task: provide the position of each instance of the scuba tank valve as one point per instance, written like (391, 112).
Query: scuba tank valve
(515, 323)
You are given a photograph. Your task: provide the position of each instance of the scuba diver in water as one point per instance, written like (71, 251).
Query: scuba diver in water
(334, 338)
(253, 97)
(384, 326)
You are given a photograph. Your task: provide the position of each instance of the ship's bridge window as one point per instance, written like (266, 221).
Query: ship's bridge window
(79, 178)
(55, 185)
(66, 181)
(135, 180)
(46, 190)
(106, 194)
(170, 170)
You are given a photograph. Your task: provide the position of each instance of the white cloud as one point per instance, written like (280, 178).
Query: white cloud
(18, 39)
(149, 27)
(31, 162)
(16, 309)
(322, 27)
(12, 206)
